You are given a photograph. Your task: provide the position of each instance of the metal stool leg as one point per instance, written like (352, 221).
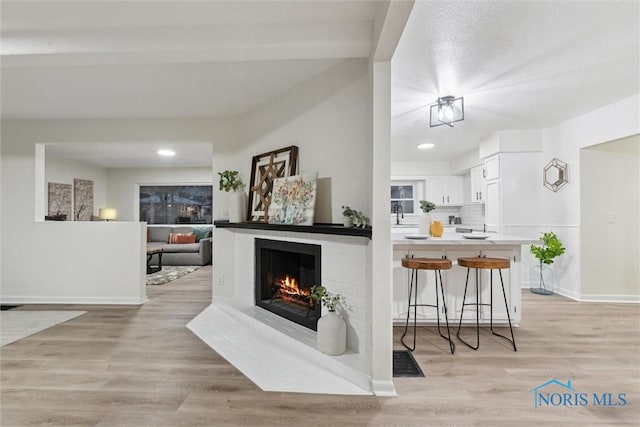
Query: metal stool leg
(464, 299)
(452, 346)
(506, 304)
(413, 287)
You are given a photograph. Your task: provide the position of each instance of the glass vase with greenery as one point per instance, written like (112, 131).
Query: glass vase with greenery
(551, 248)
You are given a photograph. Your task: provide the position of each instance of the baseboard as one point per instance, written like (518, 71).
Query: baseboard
(605, 298)
(10, 300)
(622, 299)
(383, 388)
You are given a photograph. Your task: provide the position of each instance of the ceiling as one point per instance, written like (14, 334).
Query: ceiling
(519, 65)
(135, 155)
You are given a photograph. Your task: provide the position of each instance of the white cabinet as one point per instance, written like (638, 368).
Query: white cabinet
(426, 286)
(445, 190)
(492, 205)
(492, 168)
(477, 185)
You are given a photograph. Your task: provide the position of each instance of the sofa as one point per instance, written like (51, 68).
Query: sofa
(198, 253)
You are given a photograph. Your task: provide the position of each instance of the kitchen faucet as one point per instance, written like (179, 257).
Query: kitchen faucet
(398, 210)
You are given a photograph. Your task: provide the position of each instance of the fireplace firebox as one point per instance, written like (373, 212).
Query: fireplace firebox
(285, 273)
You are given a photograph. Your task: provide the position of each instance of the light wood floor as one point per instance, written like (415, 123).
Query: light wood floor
(140, 366)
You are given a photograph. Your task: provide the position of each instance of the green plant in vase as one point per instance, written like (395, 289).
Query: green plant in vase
(320, 295)
(353, 217)
(331, 336)
(551, 248)
(230, 181)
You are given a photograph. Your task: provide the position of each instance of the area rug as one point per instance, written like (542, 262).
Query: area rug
(16, 324)
(169, 273)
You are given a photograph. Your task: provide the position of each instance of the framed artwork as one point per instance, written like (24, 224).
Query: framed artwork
(265, 168)
(293, 200)
(59, 201)
(82, 199)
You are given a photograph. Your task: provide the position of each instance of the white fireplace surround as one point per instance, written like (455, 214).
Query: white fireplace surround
(247, 335)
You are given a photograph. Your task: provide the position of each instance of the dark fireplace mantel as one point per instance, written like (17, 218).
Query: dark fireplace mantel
(318, 228)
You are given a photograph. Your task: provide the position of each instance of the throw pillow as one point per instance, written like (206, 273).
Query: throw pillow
(185, 238)
(173, 237)
(201, 232)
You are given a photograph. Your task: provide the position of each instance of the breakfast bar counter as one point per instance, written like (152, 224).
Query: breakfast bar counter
(458, 239)
(452, 246)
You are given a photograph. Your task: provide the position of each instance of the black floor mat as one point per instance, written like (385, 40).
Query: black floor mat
(404, 365)
(9, 307)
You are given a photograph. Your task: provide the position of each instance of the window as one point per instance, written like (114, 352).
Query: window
(176, 204)
(403, 196)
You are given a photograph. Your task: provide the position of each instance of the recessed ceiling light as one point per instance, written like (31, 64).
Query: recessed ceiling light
(426, 146)
(166, 153)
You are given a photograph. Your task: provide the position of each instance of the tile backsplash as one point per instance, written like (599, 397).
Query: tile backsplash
(471, 215)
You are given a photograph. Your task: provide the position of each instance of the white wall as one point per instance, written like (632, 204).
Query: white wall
(42, 261)
(329, 118)
(124, 184)
(419, 168)
(64, 171)
(562, 209)
(610, 218)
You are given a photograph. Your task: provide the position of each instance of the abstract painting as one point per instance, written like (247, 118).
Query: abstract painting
(60, 201)
(293, 200)
(82, 199)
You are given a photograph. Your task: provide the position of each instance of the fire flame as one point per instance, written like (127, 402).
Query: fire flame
(291, 292)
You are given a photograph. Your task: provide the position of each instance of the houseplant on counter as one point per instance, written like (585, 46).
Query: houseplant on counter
(332, 329)
(352, 217)
(231, 181)
(425, 219)
(551, 247)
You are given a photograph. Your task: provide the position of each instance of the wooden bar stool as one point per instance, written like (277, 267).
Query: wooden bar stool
(437, 265)
(485, 264)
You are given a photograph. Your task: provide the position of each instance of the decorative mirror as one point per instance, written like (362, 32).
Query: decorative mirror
(555, 175)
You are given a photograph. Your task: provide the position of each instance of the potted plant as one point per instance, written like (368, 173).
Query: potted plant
(425, 219)
(551, 247)
(332, 329)
(347, 216)
(231, 181)
(352, 217)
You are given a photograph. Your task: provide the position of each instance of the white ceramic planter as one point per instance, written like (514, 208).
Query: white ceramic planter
(347, 221)
(237, 206)
(332, 334)
(425, 223)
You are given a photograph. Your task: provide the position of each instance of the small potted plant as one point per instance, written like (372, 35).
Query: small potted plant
(347, 216)
(231, 181)
(332, 329)
(352, 217)
(551, 248)
(425, 219)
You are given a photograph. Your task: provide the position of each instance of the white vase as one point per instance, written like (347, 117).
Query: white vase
(237, 207)
(332, 334)
(347, 221)
(425, 223)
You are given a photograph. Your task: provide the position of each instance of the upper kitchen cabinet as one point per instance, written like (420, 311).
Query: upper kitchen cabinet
(492, 168)
(445, 190)
(477, 194)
